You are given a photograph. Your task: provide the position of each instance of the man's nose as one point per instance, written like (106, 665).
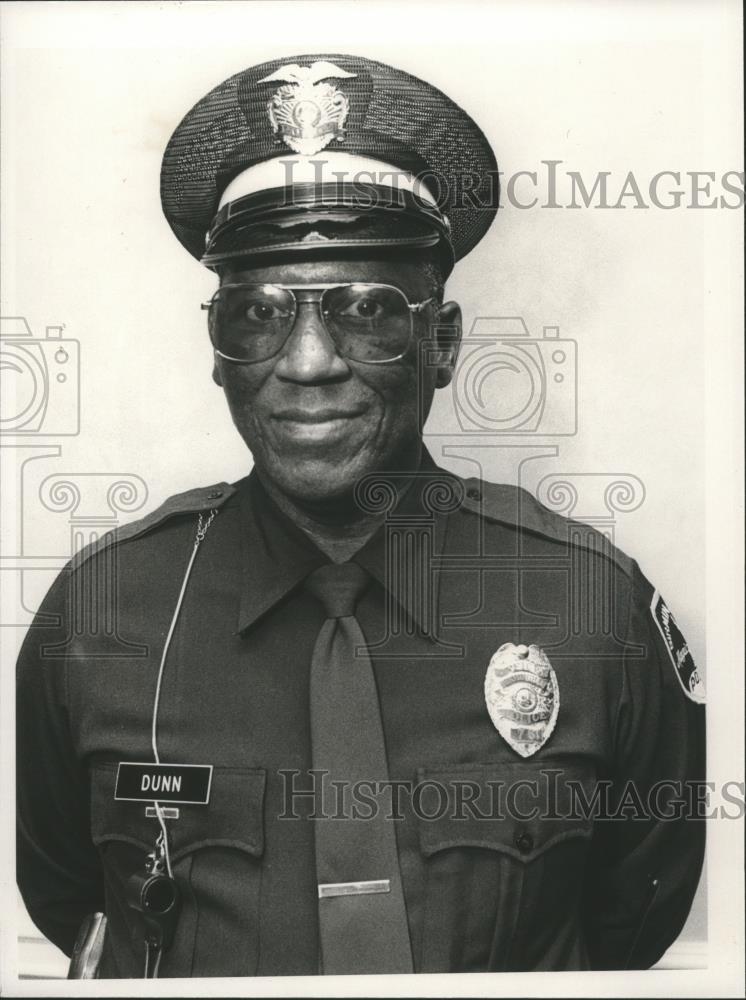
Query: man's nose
(309, 354)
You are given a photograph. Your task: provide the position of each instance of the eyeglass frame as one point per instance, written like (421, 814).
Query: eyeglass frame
(414, 308)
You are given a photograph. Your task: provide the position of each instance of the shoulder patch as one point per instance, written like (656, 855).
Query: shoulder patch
(516, 506)
(683, 662)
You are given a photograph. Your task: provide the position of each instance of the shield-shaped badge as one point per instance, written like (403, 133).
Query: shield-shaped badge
(522, 695)
(307, 113)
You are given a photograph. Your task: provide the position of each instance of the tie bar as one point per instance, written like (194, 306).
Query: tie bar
(329, 889)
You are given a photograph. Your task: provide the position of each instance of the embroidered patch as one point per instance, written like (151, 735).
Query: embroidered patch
(678, 649)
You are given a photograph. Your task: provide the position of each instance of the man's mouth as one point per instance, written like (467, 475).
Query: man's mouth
(297, 415)
(316, 424)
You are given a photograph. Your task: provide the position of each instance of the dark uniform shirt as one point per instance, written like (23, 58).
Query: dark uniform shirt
(457, 570)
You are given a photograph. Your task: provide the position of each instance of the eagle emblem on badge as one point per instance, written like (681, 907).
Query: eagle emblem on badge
(307, 112)
(522, 695)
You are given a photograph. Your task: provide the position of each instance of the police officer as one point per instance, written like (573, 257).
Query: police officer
(352, 713)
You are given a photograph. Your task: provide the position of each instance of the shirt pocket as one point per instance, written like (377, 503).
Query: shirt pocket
(503, 871)
(216, 856)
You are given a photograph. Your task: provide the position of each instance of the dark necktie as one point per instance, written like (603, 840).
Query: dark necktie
(362, 916)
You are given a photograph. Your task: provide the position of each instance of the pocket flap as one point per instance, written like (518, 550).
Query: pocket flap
(234, 816)
(517, 809)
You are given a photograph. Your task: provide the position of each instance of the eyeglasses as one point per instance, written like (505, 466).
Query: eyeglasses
(367, 322)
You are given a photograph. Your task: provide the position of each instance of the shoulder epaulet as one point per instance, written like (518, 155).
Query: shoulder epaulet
(517, 507)
(190, 502)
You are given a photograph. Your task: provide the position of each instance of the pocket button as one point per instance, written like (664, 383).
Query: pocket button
(524, 842)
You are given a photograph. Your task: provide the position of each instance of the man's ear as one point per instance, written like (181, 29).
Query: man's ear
(216, 376)
(447, 332)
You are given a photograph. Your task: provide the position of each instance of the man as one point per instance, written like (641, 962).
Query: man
(357, 715)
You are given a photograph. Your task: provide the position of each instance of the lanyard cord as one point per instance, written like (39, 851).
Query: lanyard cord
(202, 526)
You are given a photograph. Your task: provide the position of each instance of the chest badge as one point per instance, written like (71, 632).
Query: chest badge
(522, 695)
(306, 112)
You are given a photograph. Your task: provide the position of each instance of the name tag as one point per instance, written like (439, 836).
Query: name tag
(185, 783)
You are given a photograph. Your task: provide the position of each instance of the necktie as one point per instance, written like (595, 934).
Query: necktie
(362, 916)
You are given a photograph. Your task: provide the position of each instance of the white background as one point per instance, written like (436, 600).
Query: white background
(91, 95)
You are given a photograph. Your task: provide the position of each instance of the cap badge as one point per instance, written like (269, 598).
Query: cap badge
(307, 113)
(522, 695)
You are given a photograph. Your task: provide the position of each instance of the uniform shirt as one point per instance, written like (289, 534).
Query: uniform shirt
(457, 569)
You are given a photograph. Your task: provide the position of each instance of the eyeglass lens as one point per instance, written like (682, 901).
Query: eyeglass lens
(367, 322)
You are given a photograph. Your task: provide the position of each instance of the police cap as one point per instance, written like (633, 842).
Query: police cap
(314, 152)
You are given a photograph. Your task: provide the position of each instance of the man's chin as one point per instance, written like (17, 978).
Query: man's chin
(319, 480)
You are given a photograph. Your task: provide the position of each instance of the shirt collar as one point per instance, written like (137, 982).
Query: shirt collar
(402, 554)
(278, 556)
